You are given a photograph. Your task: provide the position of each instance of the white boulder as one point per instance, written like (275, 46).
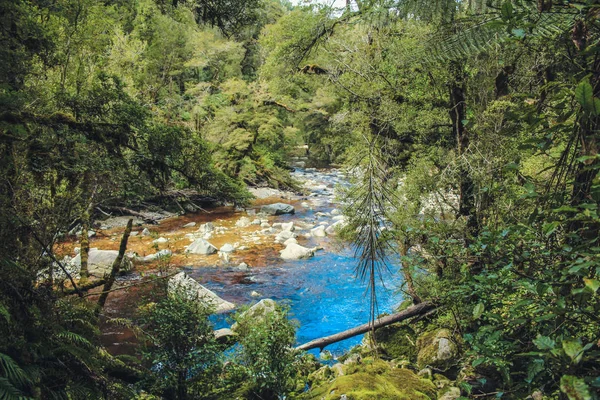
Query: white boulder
(294, 251)
(201, 246)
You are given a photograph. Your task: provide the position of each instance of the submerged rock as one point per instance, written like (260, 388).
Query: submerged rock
(188, 288)
(189, 225)
(294, 251)
(201, 246)
(277, 209)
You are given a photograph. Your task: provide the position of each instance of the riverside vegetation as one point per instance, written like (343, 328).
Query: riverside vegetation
(470, 131)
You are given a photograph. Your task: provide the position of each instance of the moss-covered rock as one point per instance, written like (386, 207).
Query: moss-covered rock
(450, 393)
(438, 349)
(397, 341)
(374, 379)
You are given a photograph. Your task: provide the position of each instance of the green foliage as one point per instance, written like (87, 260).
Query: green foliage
(181, 348)
(266, 351)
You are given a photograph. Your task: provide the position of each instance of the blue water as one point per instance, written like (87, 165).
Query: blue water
(323, 293)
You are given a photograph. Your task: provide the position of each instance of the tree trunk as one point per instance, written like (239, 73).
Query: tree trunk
(410, 285)
(84, 245)
(115, 268)
(413, 311)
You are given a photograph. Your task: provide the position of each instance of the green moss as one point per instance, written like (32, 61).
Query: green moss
(374, 379)
(397, 341)
(437, 349)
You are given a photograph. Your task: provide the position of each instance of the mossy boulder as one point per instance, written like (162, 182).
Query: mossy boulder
(438, 349)
(397, 342)
(374, 379)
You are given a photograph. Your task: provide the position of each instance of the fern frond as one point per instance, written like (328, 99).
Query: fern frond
(9, 392)
(488, 30)
(4, 313)
(13, 372)
(74, 338)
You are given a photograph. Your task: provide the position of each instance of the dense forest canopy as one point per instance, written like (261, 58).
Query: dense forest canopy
(469, 130)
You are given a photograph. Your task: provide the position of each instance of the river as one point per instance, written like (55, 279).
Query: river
(323, 293)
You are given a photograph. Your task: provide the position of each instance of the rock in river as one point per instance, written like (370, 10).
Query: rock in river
(201, 246)
(278, 209)
(319, 231)
(294, 251)
(188, 288)
(100, 262)
(243, 222)
(158, 255)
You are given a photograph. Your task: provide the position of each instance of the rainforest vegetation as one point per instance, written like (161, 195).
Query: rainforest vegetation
(470, 130)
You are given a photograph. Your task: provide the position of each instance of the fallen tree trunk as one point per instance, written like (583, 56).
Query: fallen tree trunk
(413, 311)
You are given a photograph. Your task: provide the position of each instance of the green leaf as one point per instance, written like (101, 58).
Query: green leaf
(478, 310)
(549, 228)
(584, 94)
(478, 361)
(534, 368)
(507, 10)
(573, 349)
(544, 343)
(575, 388)
(592, 284)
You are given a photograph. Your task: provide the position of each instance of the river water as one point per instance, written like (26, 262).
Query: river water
(323, 293)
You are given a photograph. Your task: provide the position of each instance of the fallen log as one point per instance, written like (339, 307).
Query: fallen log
(413, 311)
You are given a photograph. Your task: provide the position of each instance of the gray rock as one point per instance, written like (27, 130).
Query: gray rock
(188, 288)
(222, 333)
(160, 240)
(254, 293)
(243, 266)
(206, 228)
(277, 209)
(227, 248)
(156, 256)
(285, 235)
(243, 222)
(452, 393)
(287, 226)
(190, 225)
(257, 311)
(290, 240)
(100, 262)
(319, 231)
(201, 246)
(146, 232)
(294, 251)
